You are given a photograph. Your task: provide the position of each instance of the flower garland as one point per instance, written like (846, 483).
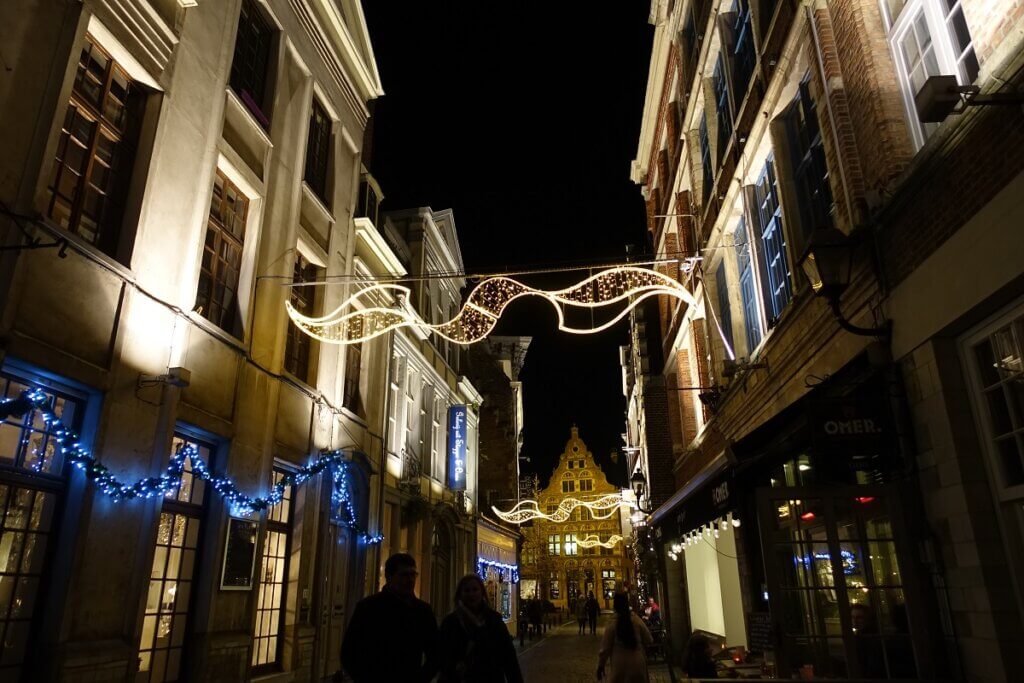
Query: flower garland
(239, 503)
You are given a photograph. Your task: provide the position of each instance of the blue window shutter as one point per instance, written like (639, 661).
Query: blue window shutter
(724, 313)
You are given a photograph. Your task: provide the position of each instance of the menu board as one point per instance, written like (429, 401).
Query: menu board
(759, 625)
(239, 554)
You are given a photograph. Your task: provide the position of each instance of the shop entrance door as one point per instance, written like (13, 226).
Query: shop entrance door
(833, 567)
(334, 573)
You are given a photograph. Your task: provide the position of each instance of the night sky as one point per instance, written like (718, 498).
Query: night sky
(523, 118)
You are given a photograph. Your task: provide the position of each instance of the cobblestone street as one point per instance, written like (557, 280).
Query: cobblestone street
(563, 656)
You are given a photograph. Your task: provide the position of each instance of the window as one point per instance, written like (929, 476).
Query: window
(572, 464)
(773, 241)
(251, 62)
(744, 56)
(929, 38)
(570, 544)
(553, 545)
(586, 485)
(568, 486)
(318, 151)
(31, 488)
(217, 297)
(353, 361)
(165, 620)
(748, 288)
(270, 622)
(814, 194)
(708, 176)
(298, 343)
(369, 201)
(551, 508)
(394, 395)
(724, 312)
(95, 150)
(722, 110)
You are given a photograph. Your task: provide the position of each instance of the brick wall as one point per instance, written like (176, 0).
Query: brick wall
(659, 439)
(991, 22)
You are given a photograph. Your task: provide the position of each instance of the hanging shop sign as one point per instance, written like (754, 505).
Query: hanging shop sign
(851, 426)
(457, 448)
(239, 554)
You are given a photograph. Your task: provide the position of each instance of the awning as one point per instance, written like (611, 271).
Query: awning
(707, 497)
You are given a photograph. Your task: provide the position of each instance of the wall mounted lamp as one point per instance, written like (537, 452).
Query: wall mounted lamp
(941, 96)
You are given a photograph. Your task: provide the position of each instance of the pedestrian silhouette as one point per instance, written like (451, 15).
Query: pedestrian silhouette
(475, 643)
(625, 643)
(392, 635)
(697, 661)
(581, 615)
(593, 609)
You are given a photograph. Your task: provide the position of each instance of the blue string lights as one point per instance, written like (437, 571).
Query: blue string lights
(239, 503)
(509, 572)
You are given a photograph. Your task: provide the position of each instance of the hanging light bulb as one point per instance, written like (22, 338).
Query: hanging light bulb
(716, 533)
(724, 524)
(736, 521)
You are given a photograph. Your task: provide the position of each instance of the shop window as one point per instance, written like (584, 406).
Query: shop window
(353, 365)
(724, 311)
(318, 151)
(32, 484)
(570, 544)
(250, 66)
(778, 291)
(96, 150)
(723, 111)
(928, 38)
(270, 613)
(707, 170)
(174, 571)
(554, 544)
(298, 344)
(811, 177)
(217, 294)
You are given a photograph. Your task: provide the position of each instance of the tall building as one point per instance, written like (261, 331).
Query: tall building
(846, 467)
(564, 559)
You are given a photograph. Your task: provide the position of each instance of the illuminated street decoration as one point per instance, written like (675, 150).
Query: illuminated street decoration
(507, 572)
(239, 503)
(457, 448)
(600, 508)
(629, 285)
(592, 541)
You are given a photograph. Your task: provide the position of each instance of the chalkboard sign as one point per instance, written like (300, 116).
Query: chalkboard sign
(760, 626)
(239, 554)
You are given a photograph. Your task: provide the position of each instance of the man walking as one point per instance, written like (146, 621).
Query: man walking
(592, 610)
(392, 635)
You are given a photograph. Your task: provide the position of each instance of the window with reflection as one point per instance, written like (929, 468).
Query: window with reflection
(28, 506)
(174, 569)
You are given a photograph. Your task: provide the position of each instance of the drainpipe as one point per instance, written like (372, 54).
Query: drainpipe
(384, 453)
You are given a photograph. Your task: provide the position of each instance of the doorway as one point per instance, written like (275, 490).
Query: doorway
(332, 603)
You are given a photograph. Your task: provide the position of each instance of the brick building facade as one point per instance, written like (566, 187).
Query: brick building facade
(766, 125)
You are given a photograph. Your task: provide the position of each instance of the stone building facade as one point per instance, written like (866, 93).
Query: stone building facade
(885, 418)
(555, 566)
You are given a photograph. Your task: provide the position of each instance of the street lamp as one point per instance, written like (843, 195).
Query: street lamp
(638, 482)
(828, 263)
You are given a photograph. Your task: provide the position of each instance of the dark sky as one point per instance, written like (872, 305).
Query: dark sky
(523, 118)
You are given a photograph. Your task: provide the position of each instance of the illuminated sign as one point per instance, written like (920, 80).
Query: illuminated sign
(457, 448)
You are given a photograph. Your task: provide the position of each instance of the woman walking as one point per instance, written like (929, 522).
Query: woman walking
(625, 641)
(475, 644)
(581, 615)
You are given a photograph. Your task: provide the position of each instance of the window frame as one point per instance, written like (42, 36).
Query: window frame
(351, 396)
(277, 523)
(723, 106)
(222, 234)
(777, 286)
(317, 168)
(255, 102)
(299, 346)
(707, 169)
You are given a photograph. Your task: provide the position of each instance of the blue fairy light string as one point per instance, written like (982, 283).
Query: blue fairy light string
(240, 504)
(511, 571)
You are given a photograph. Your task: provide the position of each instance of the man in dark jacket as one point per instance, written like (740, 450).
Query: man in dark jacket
(593, 609)
(392, 635)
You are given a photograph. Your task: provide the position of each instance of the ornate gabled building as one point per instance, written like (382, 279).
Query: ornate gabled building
(556, 562)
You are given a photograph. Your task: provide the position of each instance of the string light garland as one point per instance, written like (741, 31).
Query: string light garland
(506, 571)
(592, 541)
(601, 508)
(239, 504)
(485, 304)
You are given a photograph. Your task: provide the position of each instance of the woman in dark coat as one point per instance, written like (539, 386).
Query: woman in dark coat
(475, 644)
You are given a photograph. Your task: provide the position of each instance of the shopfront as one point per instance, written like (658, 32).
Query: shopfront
(793, 549)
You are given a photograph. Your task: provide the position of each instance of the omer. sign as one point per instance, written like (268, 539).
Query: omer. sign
(457, 448)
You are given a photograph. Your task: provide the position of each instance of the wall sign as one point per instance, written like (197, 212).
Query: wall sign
(239, 554)
(851, 426)
(457, 448)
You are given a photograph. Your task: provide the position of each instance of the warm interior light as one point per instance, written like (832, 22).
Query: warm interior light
(807, 516)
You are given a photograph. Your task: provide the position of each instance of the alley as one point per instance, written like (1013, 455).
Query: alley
(566, 657)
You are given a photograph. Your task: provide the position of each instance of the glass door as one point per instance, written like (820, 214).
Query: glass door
(835, 584)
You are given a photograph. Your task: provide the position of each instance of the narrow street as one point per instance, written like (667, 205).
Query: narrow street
(563, 656)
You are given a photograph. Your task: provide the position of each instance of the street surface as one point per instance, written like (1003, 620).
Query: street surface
(562, 656)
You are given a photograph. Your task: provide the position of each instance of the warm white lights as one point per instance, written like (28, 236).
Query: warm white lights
(621, 284)
(592, 541)
(600, 508)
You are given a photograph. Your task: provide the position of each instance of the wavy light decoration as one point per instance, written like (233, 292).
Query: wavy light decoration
(592, 540)
(485, 304)
(526, 510)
